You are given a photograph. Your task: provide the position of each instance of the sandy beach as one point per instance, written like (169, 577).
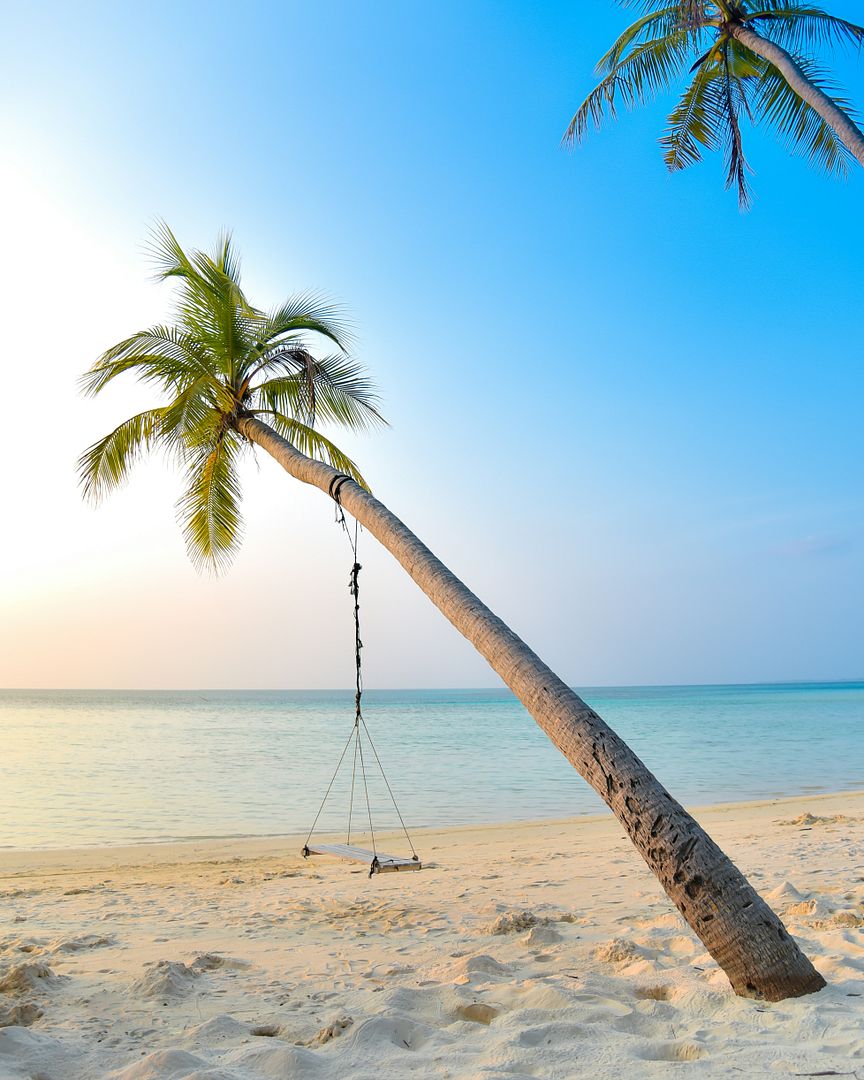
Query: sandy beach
(530, 950)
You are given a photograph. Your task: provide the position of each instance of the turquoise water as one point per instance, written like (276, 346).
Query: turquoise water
(107, 767)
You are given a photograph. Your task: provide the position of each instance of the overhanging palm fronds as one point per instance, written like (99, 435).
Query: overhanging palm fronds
(221, 361)
(736, 53)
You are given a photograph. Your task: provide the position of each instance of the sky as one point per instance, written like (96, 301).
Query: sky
(627, 415)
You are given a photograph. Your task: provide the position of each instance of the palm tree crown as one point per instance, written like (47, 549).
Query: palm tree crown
(715, 40)
(221, 361)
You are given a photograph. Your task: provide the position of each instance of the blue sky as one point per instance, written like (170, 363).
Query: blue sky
(626, 414)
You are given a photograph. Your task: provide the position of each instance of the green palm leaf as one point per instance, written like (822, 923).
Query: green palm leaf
(332, 389)
(650, 68)
(650, 27)
(165, 355)
(694, 123)
(307, 311)
(799, 125)
(209, 509)
(799, 26)
(105, 465)
(730, 83)
(221, 362)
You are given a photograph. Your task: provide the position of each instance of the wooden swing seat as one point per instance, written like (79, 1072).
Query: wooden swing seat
(378, 864)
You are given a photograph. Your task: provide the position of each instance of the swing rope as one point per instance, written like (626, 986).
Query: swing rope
(355, 735)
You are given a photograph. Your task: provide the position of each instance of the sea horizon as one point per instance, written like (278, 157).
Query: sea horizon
(95, 767)
(859, 680)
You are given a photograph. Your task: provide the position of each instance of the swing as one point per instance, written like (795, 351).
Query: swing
(377, 861)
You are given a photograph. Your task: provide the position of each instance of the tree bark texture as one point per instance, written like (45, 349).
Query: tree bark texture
(847, 131)
(737, 927)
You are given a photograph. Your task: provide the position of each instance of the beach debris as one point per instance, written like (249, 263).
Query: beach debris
(840, 919)
(21, 1015)
(513, 922)
(22, 978)
(214, 961)
(805, 907)
(332, 1030)
(165, 979)
(478, 1012)
(617, 951)
(653, 993)
(808, 820)
(207, 962)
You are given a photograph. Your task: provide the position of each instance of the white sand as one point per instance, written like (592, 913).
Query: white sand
(524, 951)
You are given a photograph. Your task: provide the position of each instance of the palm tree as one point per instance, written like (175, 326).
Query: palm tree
(747, 61)
(234, 377)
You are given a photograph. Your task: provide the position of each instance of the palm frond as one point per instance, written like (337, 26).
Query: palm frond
(164, 355)
(708, 115)
(309, 311)
(732, 101)
(209, 509)
(225, 258)
(798, 26)
(105, 465)
(802, 129)
(315, 445)
(196, 416)
(694, 123)
(692, 14)
(638, 78)
(345, 393)
(210, 304)
(730, 82)
(334, 390)
(649, 27)
(166, 253)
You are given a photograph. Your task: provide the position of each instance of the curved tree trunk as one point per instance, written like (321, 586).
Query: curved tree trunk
(848, 132)
(737, 927)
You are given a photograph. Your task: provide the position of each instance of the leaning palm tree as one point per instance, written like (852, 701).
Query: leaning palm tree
(232, 377)
(747, 60)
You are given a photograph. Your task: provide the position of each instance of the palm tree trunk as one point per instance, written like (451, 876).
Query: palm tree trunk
(737, 927)
(847, 131)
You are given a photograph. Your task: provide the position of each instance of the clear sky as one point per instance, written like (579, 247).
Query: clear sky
(628, 416)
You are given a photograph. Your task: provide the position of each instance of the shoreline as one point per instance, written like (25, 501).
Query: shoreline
(523, 950)
(17, 861)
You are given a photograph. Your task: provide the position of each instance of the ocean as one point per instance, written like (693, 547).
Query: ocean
(81, 768)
